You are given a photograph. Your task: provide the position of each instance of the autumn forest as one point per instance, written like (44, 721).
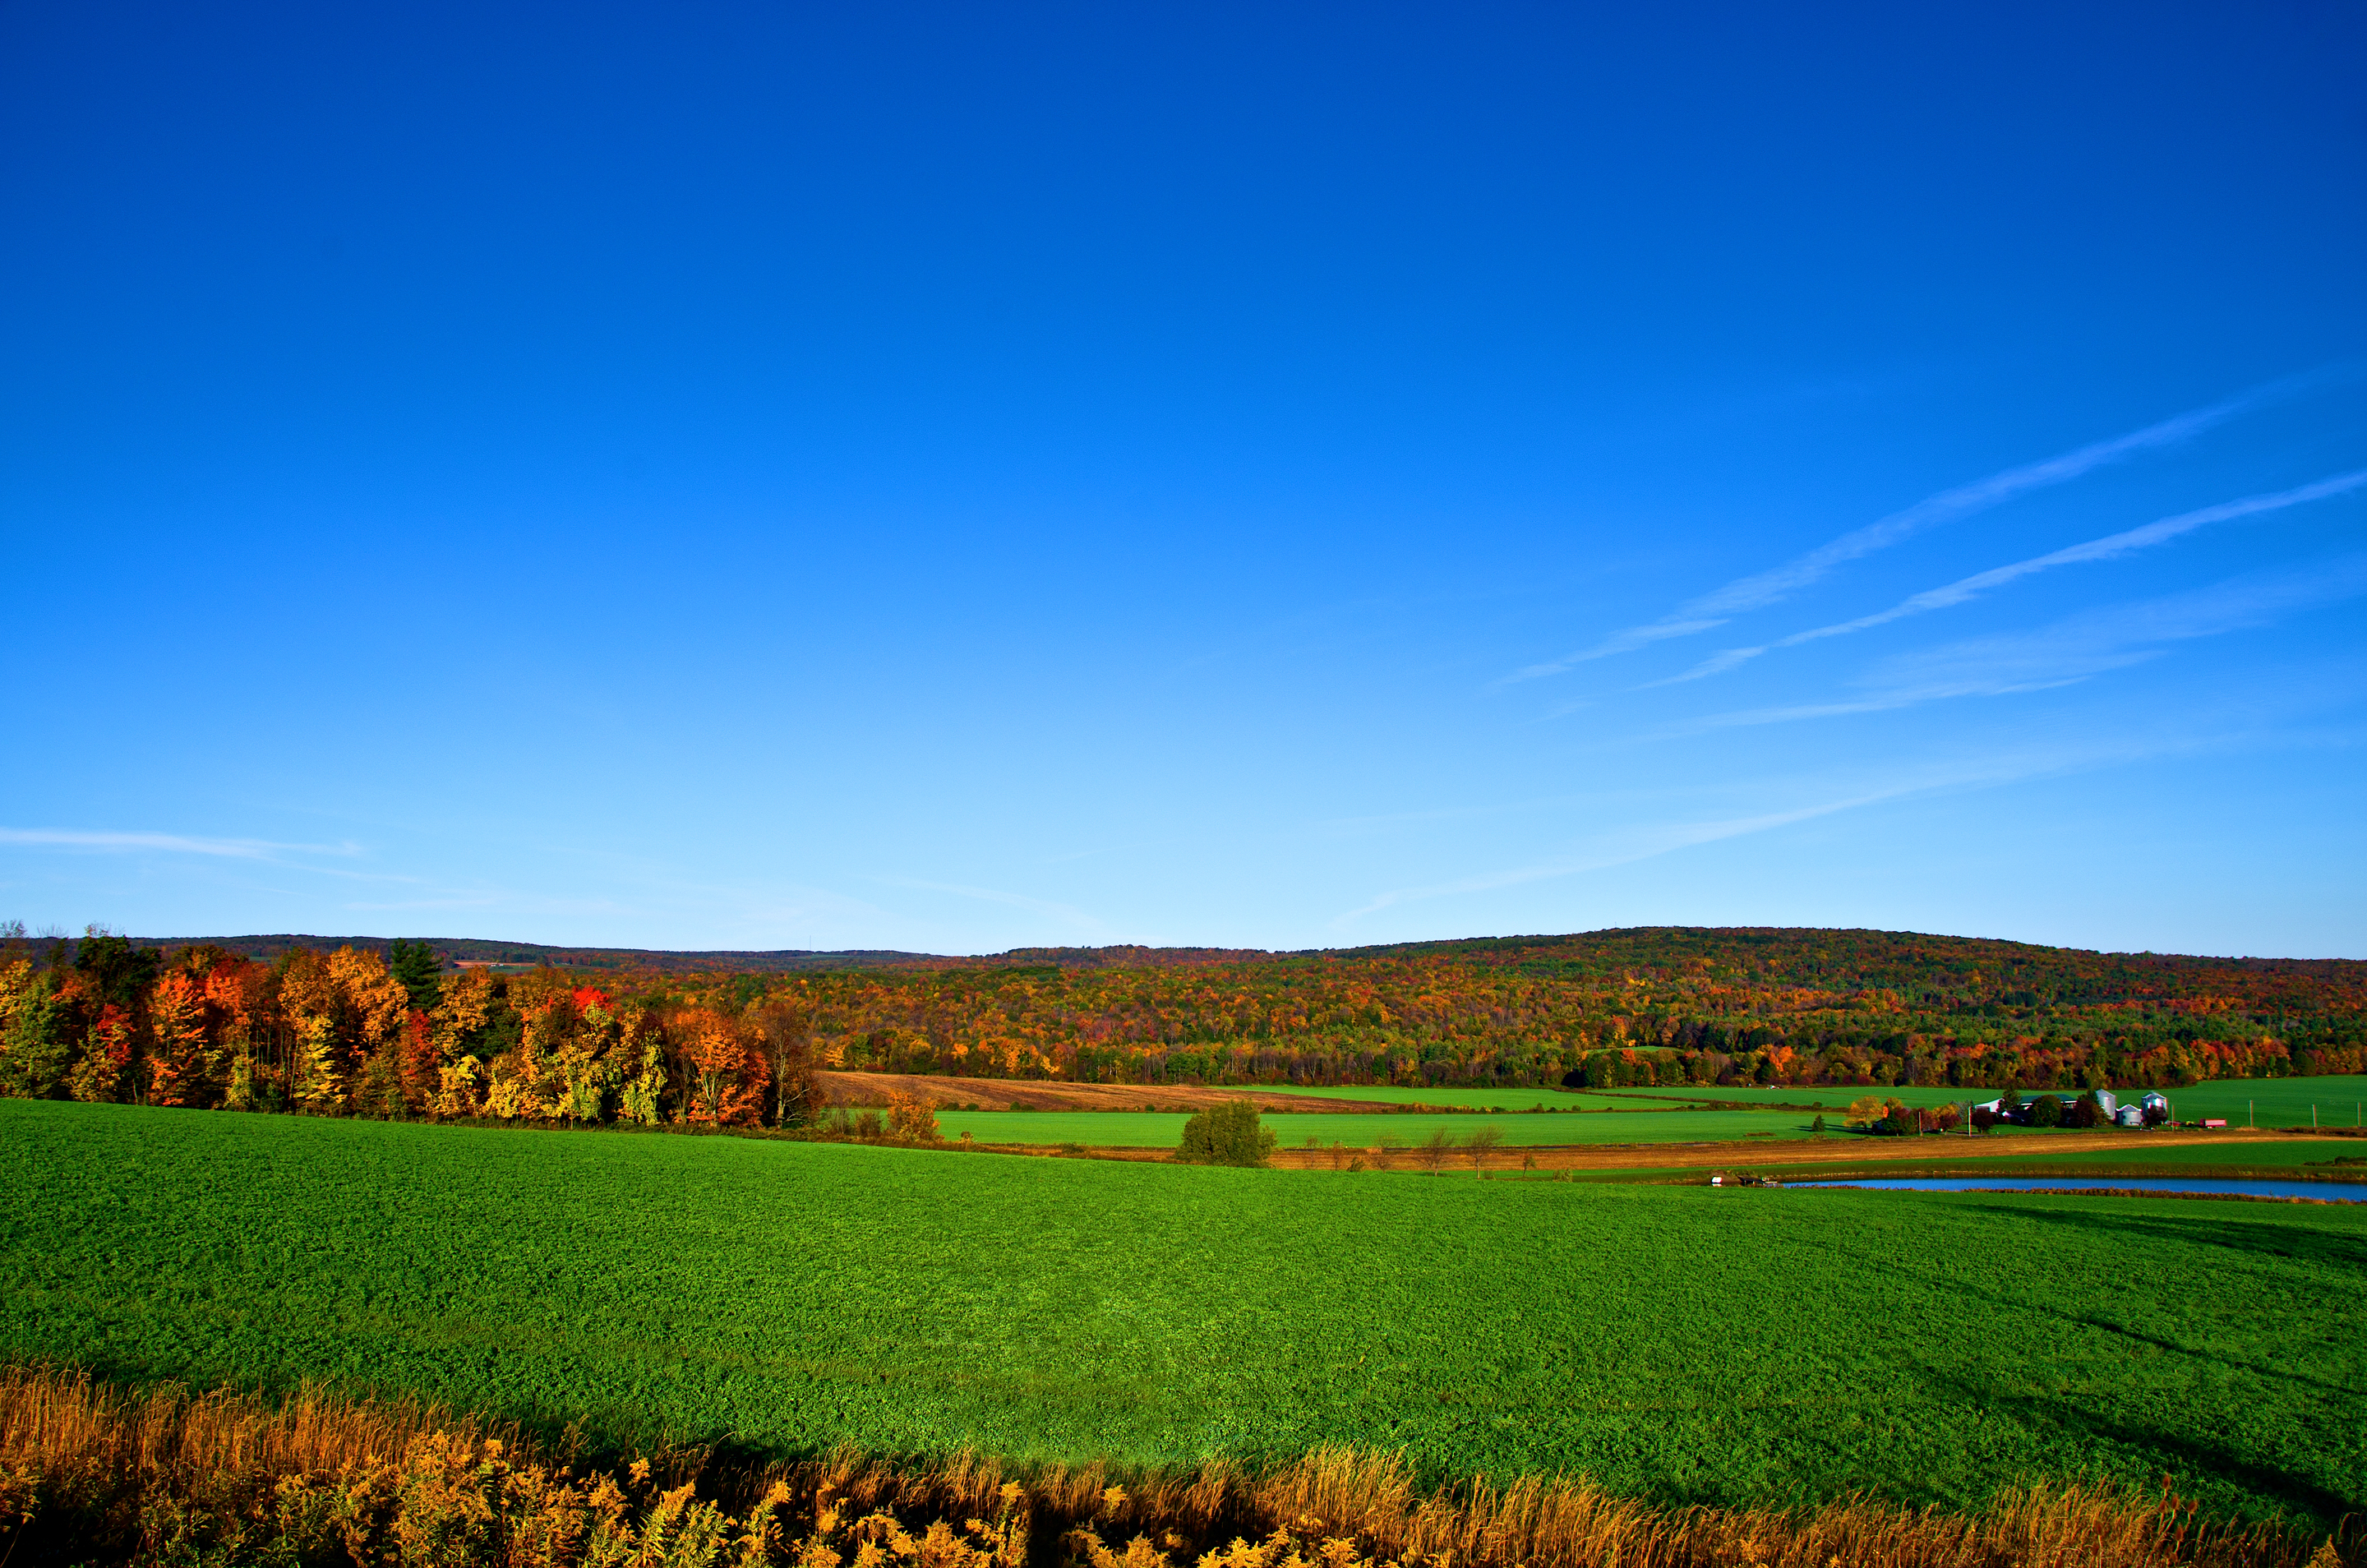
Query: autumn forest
(395, 1029)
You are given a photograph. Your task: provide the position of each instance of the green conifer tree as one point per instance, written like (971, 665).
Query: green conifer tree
(419, 971)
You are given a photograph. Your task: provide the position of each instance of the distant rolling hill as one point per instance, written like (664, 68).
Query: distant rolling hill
(477, 950)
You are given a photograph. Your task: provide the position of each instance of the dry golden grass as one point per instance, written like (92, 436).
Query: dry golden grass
(93, 1473)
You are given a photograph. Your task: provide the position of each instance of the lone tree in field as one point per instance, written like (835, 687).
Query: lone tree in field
(1230, 1133)
(1479, 1146)
(1434, 1150)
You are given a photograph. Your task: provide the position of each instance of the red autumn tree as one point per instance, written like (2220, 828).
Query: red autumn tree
(422, 1062)
(105, 1071)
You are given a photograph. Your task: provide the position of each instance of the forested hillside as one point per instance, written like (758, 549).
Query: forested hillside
(401, 1033)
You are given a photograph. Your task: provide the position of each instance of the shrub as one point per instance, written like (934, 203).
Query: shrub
(1230, 1133)
(2046, 1111)
(914, 1121)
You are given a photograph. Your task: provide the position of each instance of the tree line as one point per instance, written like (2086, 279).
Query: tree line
(348, 1034)
(408, 1034)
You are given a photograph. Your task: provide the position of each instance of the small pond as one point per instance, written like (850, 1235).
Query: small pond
(2337, 1192)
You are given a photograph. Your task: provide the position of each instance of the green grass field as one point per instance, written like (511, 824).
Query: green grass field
(1641, 1123)
(1678, 1342)
(1478, 1098)
(2280, 1102)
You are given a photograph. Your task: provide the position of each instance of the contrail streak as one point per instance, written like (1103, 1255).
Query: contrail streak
(1719, 605)
(2105, 548)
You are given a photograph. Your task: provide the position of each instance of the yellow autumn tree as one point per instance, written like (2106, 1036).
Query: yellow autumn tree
(582, 1067)
(462, 1014)
(378, 998)
(315, 1009)
(377, 1003)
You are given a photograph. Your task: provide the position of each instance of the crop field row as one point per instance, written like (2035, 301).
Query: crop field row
(1141, 1129)
(1672, 1342)
(1477, 1098)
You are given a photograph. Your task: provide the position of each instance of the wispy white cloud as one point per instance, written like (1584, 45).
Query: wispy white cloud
(2069, 651)
(1969, 588)
(169, 843)
(1715, 608)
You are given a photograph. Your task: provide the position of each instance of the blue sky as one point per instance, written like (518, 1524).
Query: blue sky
(959, 477)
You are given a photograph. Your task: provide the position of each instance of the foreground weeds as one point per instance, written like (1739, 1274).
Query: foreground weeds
(90, 1475)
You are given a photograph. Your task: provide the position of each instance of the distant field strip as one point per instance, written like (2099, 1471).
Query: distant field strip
(2278, 1157)
(1141, 1129)
(2281, 1102)
(1676, 1342)
(1480, 1098)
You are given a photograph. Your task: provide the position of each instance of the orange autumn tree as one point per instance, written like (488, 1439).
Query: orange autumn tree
(180, 1069)
(237, 998)
(726, 1070)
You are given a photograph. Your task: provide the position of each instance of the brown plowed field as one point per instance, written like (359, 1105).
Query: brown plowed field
(1014, 1094)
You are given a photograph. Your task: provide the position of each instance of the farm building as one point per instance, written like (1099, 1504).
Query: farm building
(2022, 1113)
(2115, 1113)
